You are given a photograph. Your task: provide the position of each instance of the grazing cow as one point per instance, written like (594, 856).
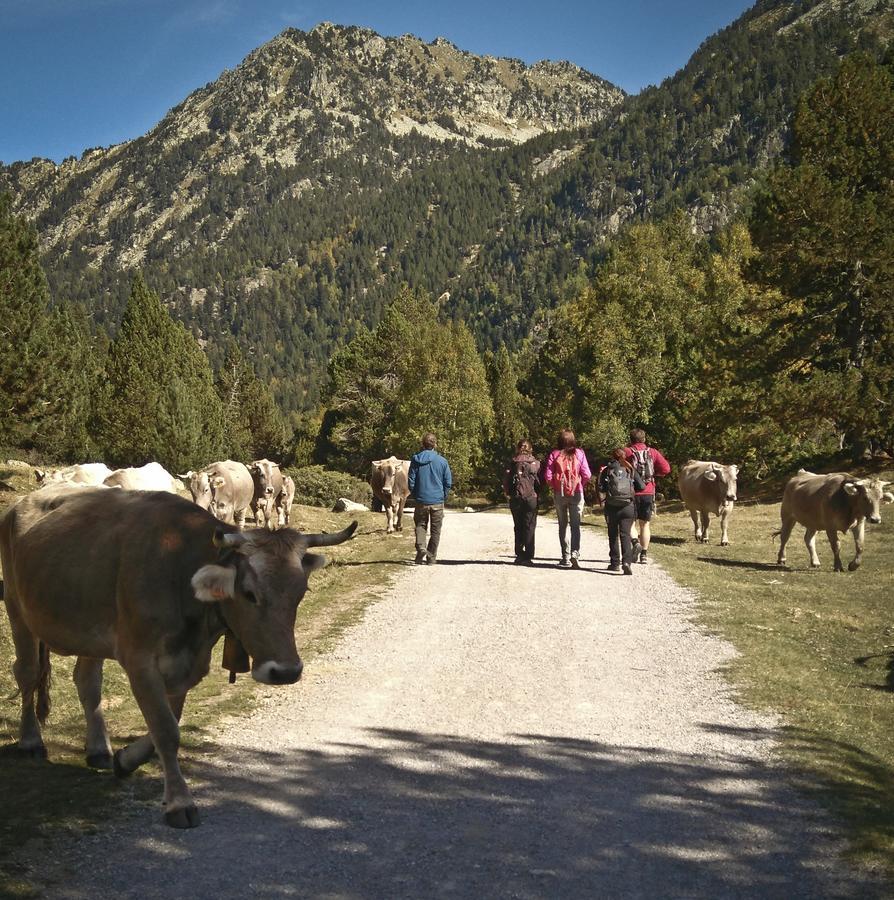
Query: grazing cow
(390, 486)
(225, 489)
(706, 488)
(285, 500)
(150, 580)
(268, 486)
(151, 477)
(83, 473)
(831, 503)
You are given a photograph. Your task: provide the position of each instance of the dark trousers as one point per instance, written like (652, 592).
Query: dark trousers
(524, 517)
(428, 520)
(620, 521)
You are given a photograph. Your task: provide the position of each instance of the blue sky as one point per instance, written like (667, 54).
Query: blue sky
(76, 74)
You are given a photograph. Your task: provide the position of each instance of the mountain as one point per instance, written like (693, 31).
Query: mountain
(286, 202)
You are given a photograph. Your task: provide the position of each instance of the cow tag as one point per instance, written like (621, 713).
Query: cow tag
(212, 584)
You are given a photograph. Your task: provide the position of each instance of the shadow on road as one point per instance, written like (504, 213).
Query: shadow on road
(407, 814)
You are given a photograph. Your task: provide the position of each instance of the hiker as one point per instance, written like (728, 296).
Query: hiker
(567, 472)
(618, 483)
(430, 480)
(521, 484)
(649, 464)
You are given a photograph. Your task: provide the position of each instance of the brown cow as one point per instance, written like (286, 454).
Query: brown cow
(268, 486)
(831, 503)
(706, 488)
(153, 581)
(390, 486)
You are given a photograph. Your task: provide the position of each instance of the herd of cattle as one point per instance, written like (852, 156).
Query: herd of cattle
(115, 565)
(227, 489)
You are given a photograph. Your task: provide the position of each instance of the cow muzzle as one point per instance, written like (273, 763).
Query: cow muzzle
(731, 498)
(277, 673)
(875, 520)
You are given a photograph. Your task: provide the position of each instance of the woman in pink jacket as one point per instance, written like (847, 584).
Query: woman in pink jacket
(567, 472)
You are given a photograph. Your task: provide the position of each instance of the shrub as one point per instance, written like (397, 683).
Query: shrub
(316, 486)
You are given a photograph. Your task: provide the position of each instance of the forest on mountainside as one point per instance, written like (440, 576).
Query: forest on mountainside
(769, 342)
(503, 236)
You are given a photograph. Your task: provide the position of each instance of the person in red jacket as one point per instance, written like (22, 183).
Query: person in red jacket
(650, 464)
(567, 472)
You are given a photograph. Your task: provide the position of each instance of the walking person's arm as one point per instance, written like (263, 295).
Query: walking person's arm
(447, 479)
(411, 478)
(662, 466)
(585, 473)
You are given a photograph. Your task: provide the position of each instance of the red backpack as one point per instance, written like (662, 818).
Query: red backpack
(566, 474)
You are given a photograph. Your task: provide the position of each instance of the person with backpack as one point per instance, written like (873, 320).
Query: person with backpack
(521, 484)
(649, 464)
(430, 481)
(618, 483)
(567, 472)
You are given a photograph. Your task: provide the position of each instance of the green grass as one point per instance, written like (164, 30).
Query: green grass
(43, 799)
(815, 646)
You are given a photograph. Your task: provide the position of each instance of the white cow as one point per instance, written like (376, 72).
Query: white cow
(706, 488)
(151, 477)
(82, 473)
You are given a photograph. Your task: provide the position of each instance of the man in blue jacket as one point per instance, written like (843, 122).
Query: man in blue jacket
(430, 481)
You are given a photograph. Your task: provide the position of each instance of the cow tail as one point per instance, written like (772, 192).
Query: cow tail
(776, 534)
(44, 680)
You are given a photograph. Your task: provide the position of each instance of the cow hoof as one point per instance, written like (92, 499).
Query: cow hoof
(120, 771)
(724, 543)
(853, 565)
(185, 817)
(38, 753)
(99, 760)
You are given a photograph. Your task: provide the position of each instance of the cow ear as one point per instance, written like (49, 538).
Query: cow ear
(711, 475)
(217, 481)
(312, 561)
(851, 488)
(888, 497)
(212, 584)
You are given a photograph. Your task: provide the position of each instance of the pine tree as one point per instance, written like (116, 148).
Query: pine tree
(159, 401)
(24, 298)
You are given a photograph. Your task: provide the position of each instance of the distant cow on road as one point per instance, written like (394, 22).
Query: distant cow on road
(268, 486)
(831, 503)
(708, 488)
(390, 486)
(150, 580)
(225, 489)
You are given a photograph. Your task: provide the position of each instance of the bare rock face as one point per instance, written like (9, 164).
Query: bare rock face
(298, 102)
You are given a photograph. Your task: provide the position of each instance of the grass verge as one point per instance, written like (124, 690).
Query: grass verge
(815, 646)
(43, 800)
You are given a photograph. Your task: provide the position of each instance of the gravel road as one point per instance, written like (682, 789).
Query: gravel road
(489, 730)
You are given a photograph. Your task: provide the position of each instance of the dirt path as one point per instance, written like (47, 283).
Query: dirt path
(490, 731)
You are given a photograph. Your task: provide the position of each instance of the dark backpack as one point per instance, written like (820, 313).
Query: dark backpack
(523, 481)
(619, 488)
(644, 464)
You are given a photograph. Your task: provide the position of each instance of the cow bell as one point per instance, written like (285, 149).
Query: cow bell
(235, 657)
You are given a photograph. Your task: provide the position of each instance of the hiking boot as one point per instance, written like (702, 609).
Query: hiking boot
(614, 567)
(643, 558)
(431, 560)
(626, 568)
(564, 563)
(574, 563)
(420, 557)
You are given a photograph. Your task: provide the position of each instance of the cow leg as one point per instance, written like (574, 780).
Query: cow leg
(87, 677)
(239, 518)
(399, 524)
(784, 534)
(131, 757)
(27, 672)
(693, 514)
(859, 533)
(810, 541)
(149, 689)
(706, 524)
(835, 544)
(725, 512)
(389, 518)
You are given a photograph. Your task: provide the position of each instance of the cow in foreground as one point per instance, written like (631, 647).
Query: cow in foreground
(225, 489)
(708, 488)
(151, 477)
(82, 473)
(267, 478)
(390, 486)
(153, 581)
(831, 503)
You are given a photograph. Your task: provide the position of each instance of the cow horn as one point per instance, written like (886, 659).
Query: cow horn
(229, 539)
(188, 474)
(327, 540)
